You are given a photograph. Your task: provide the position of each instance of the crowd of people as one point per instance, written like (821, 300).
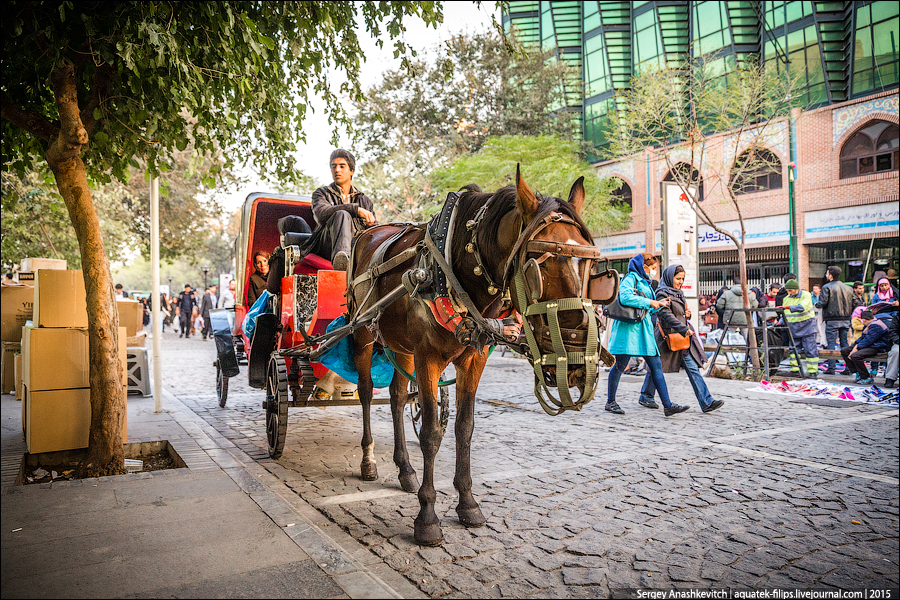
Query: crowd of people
(832, 316)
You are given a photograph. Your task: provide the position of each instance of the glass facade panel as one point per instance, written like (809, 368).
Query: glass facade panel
(875, 47)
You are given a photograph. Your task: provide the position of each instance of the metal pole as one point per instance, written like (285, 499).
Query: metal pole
(154, 291)
(868, 256)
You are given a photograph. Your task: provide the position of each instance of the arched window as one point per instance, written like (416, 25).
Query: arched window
(756, 170)
(622, 194)
(872, 149)
(683, 169)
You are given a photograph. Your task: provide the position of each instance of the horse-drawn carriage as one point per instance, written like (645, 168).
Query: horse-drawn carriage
(428, 294)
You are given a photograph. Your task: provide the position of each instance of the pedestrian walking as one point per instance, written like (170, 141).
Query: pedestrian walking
(206, 304)
(836, 304)
(186, 305)
(673, 320)
(876, 338)
(637, 339)
(800, 316)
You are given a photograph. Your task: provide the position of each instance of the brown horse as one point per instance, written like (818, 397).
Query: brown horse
(491, 241)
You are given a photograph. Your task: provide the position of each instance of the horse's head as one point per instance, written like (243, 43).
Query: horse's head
(554, 268)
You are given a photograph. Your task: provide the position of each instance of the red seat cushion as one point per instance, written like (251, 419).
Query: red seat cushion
(312, 264)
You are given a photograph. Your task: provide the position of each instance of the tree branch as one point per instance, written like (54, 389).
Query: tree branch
(73, 137)
(102, 82)
(34, 123)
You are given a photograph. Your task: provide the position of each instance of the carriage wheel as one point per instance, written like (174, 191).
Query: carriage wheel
(276, 405)
(221, 385)
(415, 411)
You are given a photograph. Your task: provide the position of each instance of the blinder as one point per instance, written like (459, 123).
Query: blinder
(602, 285)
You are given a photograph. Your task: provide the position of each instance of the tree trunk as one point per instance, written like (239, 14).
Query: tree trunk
(105, 452)
(745, 293)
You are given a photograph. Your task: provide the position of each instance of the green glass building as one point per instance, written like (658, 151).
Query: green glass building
(839, 50)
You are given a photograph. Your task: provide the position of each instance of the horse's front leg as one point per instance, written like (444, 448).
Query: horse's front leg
(399, 387)
(427, 526)
(469, 368)
(362, 357)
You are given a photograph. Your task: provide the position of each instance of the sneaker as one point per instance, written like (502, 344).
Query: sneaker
(890, 383)
(614, 408)
(714, 405)
(674, 409)
(868, 381)
(648, 403)
(341, 261)
(828, 372)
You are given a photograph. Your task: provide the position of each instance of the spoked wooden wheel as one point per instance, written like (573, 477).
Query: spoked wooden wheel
(415, 409)
(221, 385)
(276, 405)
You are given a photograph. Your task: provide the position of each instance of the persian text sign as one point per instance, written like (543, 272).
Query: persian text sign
(866, 219)
(773, 230)
(627, 244)
(679, 235)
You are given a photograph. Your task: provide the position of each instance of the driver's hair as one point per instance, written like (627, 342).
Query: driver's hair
(265, 255)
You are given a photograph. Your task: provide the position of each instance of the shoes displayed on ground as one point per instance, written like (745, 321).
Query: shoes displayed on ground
(614, 408)
(648, 403)
(341, 261)
(714, 405)
(674, 409)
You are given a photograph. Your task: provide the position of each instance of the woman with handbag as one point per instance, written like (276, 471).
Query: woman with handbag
(679, 346)
(632, 331)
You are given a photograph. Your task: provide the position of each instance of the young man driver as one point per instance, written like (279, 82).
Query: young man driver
(340, 210)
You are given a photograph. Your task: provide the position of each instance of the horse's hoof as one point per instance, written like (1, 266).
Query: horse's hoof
(368, 471)
(409, 482)
(471, 517)
(428, 535)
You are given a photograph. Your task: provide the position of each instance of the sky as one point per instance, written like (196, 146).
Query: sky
(313, 156)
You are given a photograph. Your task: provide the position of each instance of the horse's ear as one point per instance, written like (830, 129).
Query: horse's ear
(576, 195)
(526, 201)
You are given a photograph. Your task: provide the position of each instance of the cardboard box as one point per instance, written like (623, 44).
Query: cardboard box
(55, 358)
(33, 264)
(8, 367)
(61, 420)
(131, 315)
(137, 341)
(20, 393)
(16, 307)
(59, 299)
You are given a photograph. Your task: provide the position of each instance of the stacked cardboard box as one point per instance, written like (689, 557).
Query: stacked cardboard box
(29, 266)
(56, 413)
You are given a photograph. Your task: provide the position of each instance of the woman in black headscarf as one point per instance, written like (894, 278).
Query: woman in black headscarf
(674, 317)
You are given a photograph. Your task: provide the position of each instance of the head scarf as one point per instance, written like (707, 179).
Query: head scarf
(887, 296)
(667, 282)
(857, 312)
(636, 265)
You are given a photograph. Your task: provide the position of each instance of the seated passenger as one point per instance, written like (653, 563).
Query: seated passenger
(258, 279)
(340, 211)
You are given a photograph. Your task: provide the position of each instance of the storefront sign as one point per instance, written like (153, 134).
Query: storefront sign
(873, 218)
(679, 235)
(627, 244)
(773, 230)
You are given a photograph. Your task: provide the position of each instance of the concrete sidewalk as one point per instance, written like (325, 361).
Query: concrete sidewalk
(222, 527)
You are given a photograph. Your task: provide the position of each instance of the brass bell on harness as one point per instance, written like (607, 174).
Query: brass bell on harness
(492, 290)
(470, 224)
(470, 248)
(477, 270)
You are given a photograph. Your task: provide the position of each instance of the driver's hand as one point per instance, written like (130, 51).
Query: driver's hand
(366, 215)
(511, 331)
(687, 313)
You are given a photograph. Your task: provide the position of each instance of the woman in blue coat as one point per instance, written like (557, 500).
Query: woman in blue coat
(637, 339)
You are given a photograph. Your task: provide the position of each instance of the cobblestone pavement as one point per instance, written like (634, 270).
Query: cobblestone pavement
(766, 492)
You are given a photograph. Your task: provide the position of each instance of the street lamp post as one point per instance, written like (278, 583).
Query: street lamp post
(205, 271)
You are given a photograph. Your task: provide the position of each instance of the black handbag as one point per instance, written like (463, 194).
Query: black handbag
(626, 314)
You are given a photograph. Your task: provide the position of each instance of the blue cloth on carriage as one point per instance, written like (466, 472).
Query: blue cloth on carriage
(340, 359)
(260, 307)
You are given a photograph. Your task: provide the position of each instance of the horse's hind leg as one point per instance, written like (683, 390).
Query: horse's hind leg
(469, 368)
(362, 357)
(408, 480)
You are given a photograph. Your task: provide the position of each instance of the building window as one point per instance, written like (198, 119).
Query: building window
(683, 170)
(756, 171)
(875, 54)
(622, 194)
(873, 149)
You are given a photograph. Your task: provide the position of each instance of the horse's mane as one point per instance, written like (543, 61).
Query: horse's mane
(504, 201)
